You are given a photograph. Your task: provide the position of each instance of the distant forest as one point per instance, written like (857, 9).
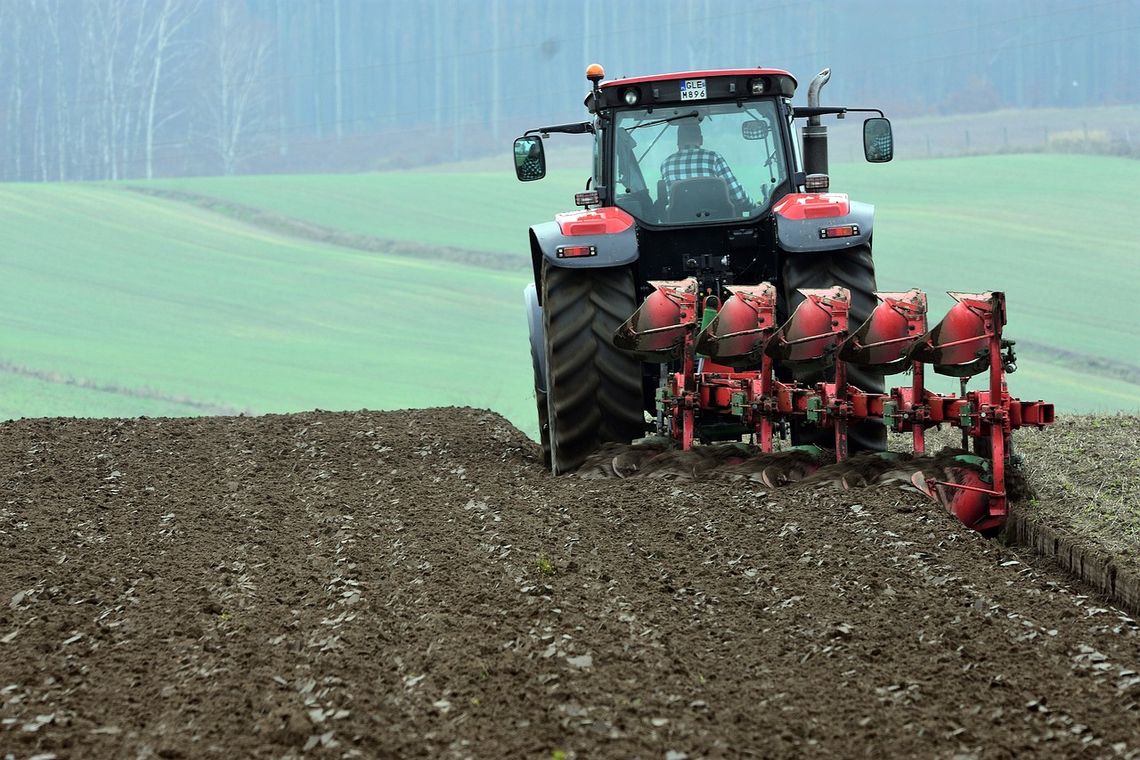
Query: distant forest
(110, 89)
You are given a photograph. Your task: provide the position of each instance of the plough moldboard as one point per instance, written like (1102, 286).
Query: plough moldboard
(728, 355)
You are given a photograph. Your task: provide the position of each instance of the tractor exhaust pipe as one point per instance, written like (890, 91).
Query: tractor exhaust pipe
(814, 132)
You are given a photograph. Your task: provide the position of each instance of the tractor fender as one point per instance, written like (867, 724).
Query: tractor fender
(537, 336)
(803, 221)
(596, 239)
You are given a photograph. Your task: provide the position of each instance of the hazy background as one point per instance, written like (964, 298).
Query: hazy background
(109, 89)
(223, 206)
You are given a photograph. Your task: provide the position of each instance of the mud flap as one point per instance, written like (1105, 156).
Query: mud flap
(537, 337)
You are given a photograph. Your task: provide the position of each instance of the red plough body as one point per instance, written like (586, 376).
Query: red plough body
(726, 371)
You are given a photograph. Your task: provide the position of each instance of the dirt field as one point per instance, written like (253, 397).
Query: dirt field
(414, 585)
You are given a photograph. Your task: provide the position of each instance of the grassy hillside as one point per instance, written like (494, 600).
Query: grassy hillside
(115, 303)
(1052, 231)
(486, 211)
(121, 304)
(1039, 227)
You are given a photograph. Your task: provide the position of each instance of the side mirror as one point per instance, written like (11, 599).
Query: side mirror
(754, 129)
(878, 140)
(530, 159)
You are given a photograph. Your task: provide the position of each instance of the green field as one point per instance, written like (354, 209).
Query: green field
(116, 303)
(487, 211)
(113, 289)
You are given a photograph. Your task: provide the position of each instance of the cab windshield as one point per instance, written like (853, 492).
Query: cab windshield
(695, 164)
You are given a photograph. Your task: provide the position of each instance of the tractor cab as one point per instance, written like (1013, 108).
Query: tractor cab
(694, 148)
(697, 164)
(698, 148)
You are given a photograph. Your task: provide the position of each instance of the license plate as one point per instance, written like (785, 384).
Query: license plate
(693, 89)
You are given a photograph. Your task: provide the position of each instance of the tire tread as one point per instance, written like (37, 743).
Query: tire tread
(593, 388)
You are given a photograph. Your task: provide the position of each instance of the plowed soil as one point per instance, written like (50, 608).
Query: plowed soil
(414, 584)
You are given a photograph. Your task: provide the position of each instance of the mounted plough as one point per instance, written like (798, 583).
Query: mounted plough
(727, 382)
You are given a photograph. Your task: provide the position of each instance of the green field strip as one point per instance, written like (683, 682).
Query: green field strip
(22, 396)
(299, 229)
(1073, 392)
(200, 307)
(128, 291)
(488, 211)
(1052, 239)
(1020, 223)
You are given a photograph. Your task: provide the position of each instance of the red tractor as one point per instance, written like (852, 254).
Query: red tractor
(702, 208)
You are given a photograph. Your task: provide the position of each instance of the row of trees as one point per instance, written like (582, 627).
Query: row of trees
(104, 89)
(107, 89)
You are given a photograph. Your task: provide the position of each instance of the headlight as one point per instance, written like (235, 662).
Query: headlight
(631, 96)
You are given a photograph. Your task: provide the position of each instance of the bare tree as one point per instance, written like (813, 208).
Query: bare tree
(61, 104)
(104, 24)
(14, 31)
(338, 75)
(239, 50)
(172, 17)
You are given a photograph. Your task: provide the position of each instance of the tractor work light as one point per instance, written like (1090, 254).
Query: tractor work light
(758, 86)
(817, 183)
(575, 251)
(840, 231)
(587, 198)
(631, 96)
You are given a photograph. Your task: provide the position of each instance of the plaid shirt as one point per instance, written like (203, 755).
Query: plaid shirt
(531, 169)
(691, 161)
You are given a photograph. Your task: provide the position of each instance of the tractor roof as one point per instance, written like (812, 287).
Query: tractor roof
(706, 74)
(688, 87)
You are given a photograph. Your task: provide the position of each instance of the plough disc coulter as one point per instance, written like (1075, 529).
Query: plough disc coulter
(726, 355)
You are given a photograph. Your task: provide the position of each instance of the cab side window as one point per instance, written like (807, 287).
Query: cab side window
(599, 139)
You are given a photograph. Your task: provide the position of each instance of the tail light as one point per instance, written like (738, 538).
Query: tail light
(574, 251)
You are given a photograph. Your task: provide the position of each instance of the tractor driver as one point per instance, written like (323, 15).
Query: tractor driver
(691, 160)
(532, 167)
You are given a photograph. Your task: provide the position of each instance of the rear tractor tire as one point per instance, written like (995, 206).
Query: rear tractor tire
(594, 390)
